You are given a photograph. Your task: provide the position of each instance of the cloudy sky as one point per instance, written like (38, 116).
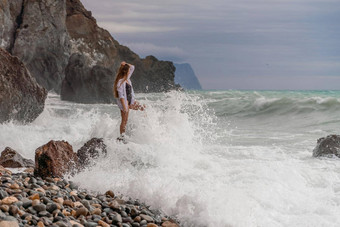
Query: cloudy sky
(234, 44)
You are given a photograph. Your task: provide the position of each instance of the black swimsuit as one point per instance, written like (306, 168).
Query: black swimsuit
(128, 93)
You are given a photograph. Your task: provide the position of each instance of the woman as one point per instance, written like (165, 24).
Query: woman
(125, 95)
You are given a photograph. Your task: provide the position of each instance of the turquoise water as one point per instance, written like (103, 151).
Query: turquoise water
(211, 158)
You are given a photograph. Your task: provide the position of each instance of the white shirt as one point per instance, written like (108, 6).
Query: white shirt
(121, 88)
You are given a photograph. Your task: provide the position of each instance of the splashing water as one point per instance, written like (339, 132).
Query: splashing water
(223, 158)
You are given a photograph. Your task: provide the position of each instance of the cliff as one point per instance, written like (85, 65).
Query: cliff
(185, 76)
(45, 34)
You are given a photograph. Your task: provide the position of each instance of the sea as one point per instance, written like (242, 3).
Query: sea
(208, 158)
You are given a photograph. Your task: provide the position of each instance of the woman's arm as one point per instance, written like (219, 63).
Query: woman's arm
(131, 69)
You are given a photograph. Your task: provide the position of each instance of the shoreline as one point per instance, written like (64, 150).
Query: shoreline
(28, 200)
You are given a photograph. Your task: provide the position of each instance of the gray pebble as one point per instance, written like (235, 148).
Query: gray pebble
(40, 207)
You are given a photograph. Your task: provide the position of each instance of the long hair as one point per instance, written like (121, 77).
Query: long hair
(122, 74)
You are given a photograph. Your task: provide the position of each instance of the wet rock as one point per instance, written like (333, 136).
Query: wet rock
(110, 193)
(327, 146)
(54, 159)
(12, 159)
(91, 150)
(21, 98)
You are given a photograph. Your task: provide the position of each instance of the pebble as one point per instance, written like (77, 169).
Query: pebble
(81, 211)
(40, 207)
(4, 208)
(110, 193)
(146, 217)
(9, 200)
(31, 201)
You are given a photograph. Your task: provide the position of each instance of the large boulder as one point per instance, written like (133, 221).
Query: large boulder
(327, 146)
(86, 84)
(42, 41)
(91, 150)
(21, 98)
(10, 17)
(55, 159)
(11, 159)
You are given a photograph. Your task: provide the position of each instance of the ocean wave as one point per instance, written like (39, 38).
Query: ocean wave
(250, 104)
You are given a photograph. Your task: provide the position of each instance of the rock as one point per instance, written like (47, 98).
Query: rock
(4, 208)
(146, 218)
(42, 41)
(185, 76)
(10, 13)
(4, 171)
(12, 159)
(92, 149)
(102, 223)
(151, 225)
(73, 223)
(5, 223)
(54, 159)
(81, 211)
(9, 200)
(51, 207)
(169, 224)
(114, 205)
(85, 83)
(327, 146)
(13, 210)
(96, 211)
(21, 98)
(29, 170)
(110, 193)
(76, 223)
(39, 207)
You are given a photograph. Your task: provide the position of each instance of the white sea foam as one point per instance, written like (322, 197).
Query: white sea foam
(207, 169)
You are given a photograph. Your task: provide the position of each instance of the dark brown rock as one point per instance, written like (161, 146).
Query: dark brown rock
(54, 159)
(327, 146)
(42, 41)
(12, 159)
(21, 98)
(91, 150)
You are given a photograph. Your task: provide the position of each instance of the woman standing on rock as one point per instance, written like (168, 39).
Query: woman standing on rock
(125, 95)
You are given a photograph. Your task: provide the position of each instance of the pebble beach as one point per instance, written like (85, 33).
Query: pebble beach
(28, 200)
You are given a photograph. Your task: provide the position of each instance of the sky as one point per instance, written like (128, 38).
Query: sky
(234, 44)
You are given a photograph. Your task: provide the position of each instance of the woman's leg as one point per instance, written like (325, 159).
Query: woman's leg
(125, 116)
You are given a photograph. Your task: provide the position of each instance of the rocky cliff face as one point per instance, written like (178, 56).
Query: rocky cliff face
(44, 34)
(21, 98)
(185, 76)
(42, 41)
